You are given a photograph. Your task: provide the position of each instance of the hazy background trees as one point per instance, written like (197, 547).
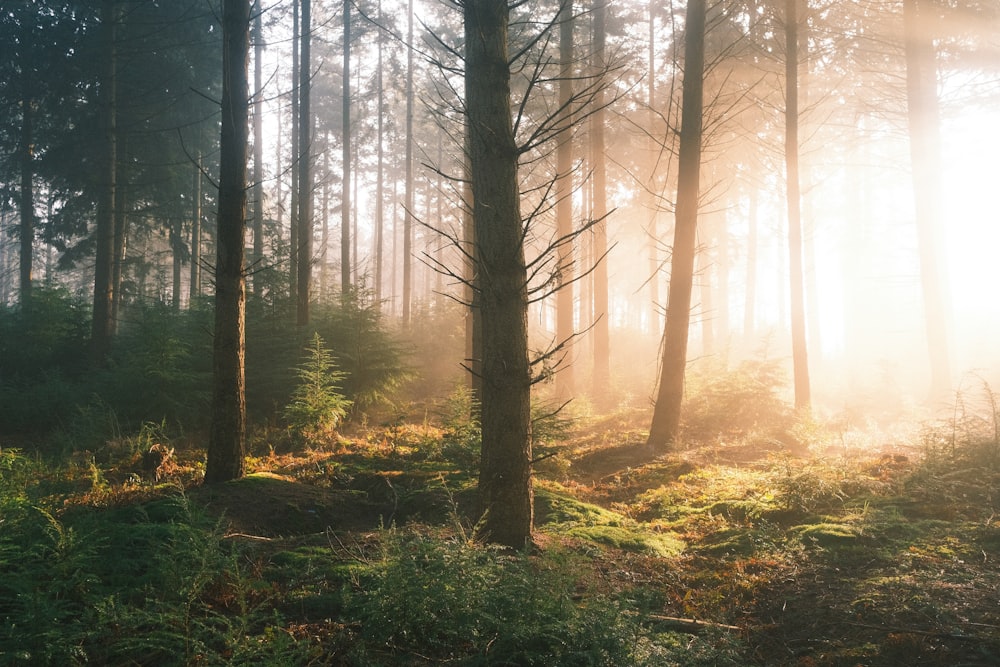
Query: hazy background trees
(360, 196)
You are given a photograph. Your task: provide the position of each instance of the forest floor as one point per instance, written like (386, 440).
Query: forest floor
(861, 551)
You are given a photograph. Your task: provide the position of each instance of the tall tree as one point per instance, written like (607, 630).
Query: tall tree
(564, 199)
(294, 196)
(505, 416)
(380, 166)
(227, 438)
(345, 211)
(103, 320)
(27, 156)
(408, 192)
(665, 425)
(800, 357)
(196, 201)
(305, 171)
(923, 116)
(602, 327)
(258, 147)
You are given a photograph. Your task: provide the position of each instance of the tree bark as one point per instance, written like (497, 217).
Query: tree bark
(304, 278)
(103, 322)
(380, 169)
(663, 430)
(925, 155)
(294, 195)
(800, 357)
(227, 440)
(345, 211)
(505, 470)
(258, 149)
(564, 205)
(27, 163)
(602, 327)
(408, 193)
(195, 286)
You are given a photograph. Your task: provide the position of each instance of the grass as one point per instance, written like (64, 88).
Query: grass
(357, 553)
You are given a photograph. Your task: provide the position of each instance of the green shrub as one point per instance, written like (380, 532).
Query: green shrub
(735, 402)
(457, 601)
(317, 407)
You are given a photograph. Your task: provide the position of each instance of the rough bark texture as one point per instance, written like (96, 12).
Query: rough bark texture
(505, 471)
(227, 441)
(797, 305)
(380, 168)
(345, 211)
(304, 278)
(258, 147)
(293, 208)
(667, 411)
(925, 155)
(103, 322)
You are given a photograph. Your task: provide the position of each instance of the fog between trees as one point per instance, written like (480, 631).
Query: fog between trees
(399, 165)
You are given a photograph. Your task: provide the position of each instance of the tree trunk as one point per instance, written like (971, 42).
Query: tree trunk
(227, 440)
(195, 286)
(258, 149)
(27, 155)
(564, 205)
(103, 322)
(925, 155)
(665, 425)
(305, 172)
(800, 358)
(408, 194)
(380, 169)
(474, 314)
(505, 471)
(750, 298)
(602, 327)
(293, 208)
(345, 212)
(121, 234)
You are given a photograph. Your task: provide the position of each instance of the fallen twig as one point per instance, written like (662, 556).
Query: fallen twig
(691, 625)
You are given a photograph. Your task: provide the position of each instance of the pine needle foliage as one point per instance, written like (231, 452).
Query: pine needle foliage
(317, 407)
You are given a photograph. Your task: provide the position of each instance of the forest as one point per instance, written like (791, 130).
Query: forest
(488, 332)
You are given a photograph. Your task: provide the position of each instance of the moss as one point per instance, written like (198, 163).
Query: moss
(631, 539)
(555, 508)
(825, 534)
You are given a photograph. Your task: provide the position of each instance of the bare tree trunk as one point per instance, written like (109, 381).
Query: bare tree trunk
(665, 425)
(800, 358)
(227, 439)
(602, 327)
(380, 169)
(564, 205)
(345, 212)
(305, 172)
(750, 310)
(294, 196)
(26, 150)
(324, 271)
(103, 322)
(505, 472)
(121, 235)
(408, 195)
(474, 314)
(925, 155)
(195, 286)
(258, 148)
